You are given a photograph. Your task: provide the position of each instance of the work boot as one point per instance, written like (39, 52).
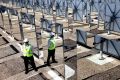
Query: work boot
(26, 72)
(48, 65)
(36, 69)
(55, 62)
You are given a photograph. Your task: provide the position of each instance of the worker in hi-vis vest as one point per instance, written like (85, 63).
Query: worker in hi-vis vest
(51, 49)
(28, 55)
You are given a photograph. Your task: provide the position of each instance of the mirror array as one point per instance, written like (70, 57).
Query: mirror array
(93, 24)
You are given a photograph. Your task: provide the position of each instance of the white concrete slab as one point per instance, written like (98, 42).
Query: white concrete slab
(14, 19)
(58, 78)
(75, 24)
(54, 75)
(81, 49)
(68, 72)
(26, 25)
(96, 59)
(62, 20)
(45, 34)
(30, 28)
(111, 36)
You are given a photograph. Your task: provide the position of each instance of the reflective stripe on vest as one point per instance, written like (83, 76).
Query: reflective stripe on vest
(27, 51)
(52, 44)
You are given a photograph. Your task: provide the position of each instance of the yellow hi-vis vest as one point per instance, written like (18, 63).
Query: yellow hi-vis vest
(52, 44)
(27, 51)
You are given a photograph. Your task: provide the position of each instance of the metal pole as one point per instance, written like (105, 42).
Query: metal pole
(98, 14)
(10, 23)
(36, 32)
(21, 28)
(21, 31)
(101, 50)
(90, 2)
(105, 3)
(2, 20)
(86, 12)
(37, 42)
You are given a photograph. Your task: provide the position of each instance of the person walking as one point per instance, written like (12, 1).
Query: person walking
(51, 49)
(28, 55)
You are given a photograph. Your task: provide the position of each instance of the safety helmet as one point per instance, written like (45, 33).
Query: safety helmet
(52, 34)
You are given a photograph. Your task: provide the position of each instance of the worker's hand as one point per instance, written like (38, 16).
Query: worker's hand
(22, 57)
(94, 43)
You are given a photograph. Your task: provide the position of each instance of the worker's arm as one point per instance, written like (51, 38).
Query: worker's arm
(49, 43)
(32, 49)
(22, 49)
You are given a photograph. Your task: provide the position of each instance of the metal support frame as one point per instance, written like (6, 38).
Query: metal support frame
(57, 28)
(77, 10)
(49, 7)
(45, 24)
(112, 17)
(43, 5)
(10, 25)
(37, 5)
(109, 47)
(1, 12)
(83, 37)
(101, 51)
(59, 7)
(10, 22)
(12, 12)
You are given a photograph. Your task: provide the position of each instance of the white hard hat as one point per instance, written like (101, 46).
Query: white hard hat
(52, 34)
(26, 40)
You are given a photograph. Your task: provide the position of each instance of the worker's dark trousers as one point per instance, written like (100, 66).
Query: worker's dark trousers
(30, 60)
(51, 53)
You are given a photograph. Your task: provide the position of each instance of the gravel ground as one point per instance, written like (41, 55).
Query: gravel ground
(7, 51)
(111, 74)
(81, 63)
(11, 67)
(87, 68)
